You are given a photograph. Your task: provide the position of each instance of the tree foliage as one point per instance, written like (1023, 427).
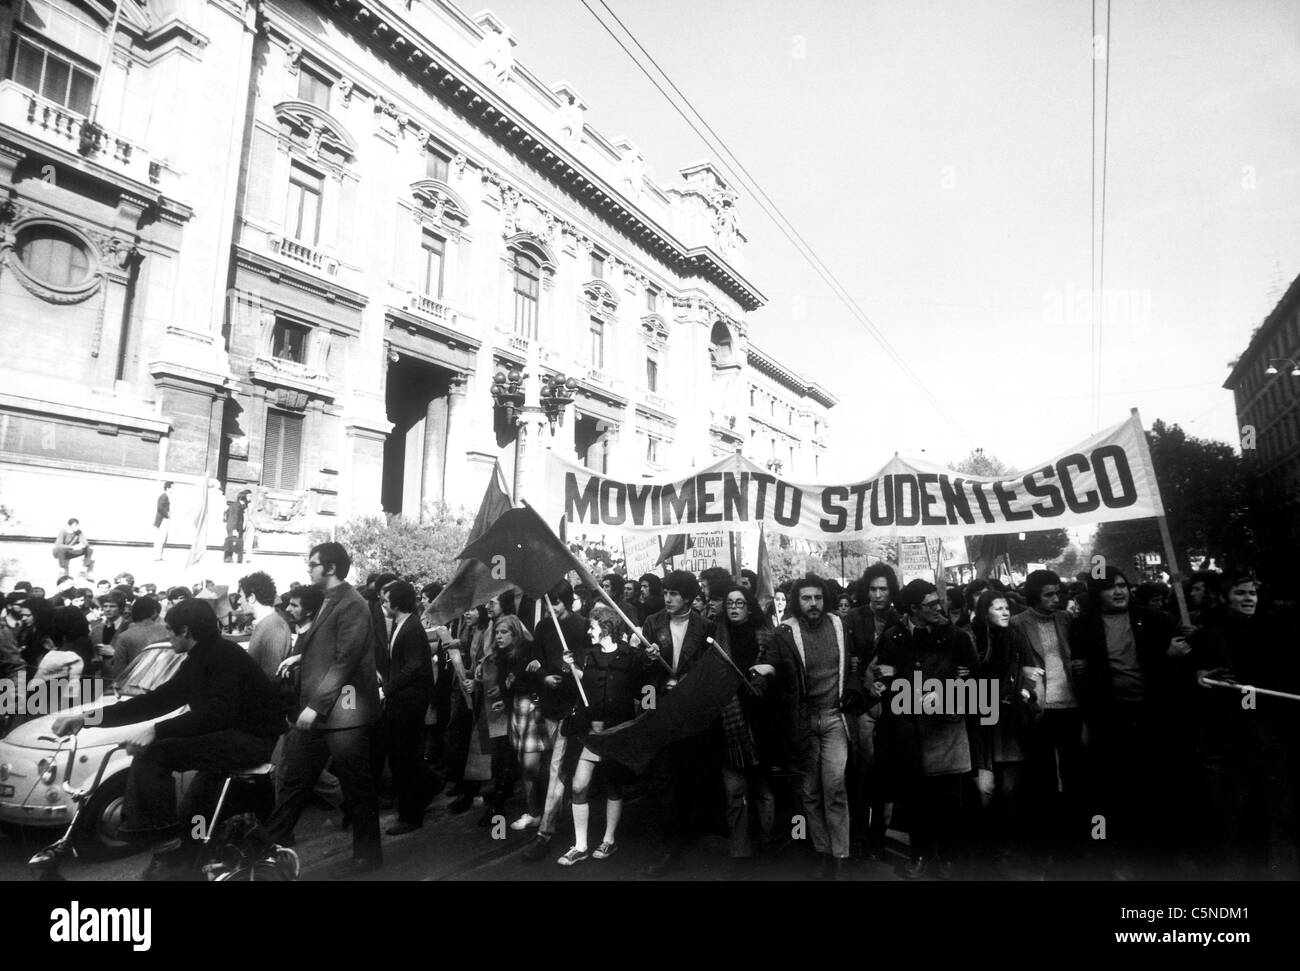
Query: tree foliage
(1207, 493)
(416, 552)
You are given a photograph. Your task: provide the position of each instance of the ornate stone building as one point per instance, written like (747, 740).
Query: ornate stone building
(288, 245)
(1265, 383)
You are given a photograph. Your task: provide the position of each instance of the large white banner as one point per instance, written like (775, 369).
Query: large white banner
(1109, 477)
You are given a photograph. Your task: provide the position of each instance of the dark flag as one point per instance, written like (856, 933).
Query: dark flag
(674, 545)
(766, 591)
(520, 549)
(473, 583)
(686, 711)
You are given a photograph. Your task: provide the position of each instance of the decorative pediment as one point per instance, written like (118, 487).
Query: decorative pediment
(600, 297)
(440, 201)
(655, 330)
(535, 247)
(316, 131)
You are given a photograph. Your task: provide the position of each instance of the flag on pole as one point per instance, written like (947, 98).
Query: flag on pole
(674, 545)
(200, 544)
(766, 591)
(473, 583)
(521, 550)
(686, 711)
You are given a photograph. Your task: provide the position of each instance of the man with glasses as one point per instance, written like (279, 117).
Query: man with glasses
(340, 703)
(930, 745)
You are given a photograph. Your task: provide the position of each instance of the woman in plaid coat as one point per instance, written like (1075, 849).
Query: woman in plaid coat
(521, 687)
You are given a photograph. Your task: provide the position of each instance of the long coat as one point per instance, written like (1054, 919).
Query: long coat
(338, 662)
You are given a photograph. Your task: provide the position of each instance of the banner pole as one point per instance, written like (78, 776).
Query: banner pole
(1171, 557)
(577, 675)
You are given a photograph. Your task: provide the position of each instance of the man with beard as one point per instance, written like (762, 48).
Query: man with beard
(809, 666)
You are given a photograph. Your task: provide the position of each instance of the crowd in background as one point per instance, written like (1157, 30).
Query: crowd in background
(1108, 753)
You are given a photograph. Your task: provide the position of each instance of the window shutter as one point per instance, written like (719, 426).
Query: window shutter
(271, 450)
(291, 457)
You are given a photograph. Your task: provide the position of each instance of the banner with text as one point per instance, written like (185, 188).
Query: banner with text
(1106, 478)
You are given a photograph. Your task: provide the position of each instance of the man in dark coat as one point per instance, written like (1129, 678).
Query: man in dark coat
(236, 519)
(340, 703)
(685, 776)
(232, 724)
(809, 665)
(408, 691)
(162, 520)
(1135, 680)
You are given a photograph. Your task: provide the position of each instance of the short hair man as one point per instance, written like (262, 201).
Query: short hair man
(271, 639)
(340, 703)
(70, 544)
(162, 520)
(146, 628)
(232, 723)
(408, 690)
(712, 582)
(679, 637)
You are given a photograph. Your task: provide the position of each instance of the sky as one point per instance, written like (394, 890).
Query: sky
(938, 157)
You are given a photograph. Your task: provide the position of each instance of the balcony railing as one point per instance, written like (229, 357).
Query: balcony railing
(432, 308)
(304, 255)
(51, 122)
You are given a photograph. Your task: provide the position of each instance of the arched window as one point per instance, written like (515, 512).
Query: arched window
(58, 48)
(527, 291)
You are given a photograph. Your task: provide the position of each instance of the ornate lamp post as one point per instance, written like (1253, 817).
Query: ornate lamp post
(557, 393)
(1273, 363)
(508, 391)
(774, 466)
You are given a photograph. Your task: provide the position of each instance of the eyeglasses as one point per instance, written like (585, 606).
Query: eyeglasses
(736, 603)
(313, 565)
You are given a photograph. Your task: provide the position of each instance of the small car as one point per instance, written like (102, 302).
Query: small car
(31, 790)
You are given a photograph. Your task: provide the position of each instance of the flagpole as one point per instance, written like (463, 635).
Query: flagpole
(1215, 683)
(1170, 556)
(577, 675)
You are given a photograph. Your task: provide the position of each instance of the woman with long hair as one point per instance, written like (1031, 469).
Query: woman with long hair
(652, 595)
(463, 656)
(776, 609)
(996, 750)
(745, 636)
(612, 674)
(36, 631)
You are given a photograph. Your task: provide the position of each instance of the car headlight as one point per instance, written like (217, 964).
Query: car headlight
(47, 770)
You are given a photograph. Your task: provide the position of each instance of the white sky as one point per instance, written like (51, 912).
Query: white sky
(936, 155)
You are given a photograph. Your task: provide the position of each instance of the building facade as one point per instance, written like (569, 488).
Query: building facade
(288, 246)
(1268, 415)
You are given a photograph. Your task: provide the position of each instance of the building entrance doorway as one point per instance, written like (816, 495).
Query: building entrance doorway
(415, 454)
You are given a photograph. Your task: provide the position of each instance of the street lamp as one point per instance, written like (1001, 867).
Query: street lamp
(557, 393)
(774, 466)
(508, 391)
(1273, 362)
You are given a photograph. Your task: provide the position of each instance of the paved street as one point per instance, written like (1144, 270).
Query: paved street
(455, 847)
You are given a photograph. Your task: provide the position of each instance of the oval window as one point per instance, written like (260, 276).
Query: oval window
(53, 256)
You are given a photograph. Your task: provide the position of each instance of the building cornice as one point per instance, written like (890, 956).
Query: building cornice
(768, 365)
(280, 273)
(478, 102)
(1264, 333)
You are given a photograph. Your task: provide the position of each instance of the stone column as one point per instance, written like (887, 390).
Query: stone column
(435, 454)
(454, 482)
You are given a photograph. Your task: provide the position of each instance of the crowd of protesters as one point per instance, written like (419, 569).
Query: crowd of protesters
(1124, 742)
